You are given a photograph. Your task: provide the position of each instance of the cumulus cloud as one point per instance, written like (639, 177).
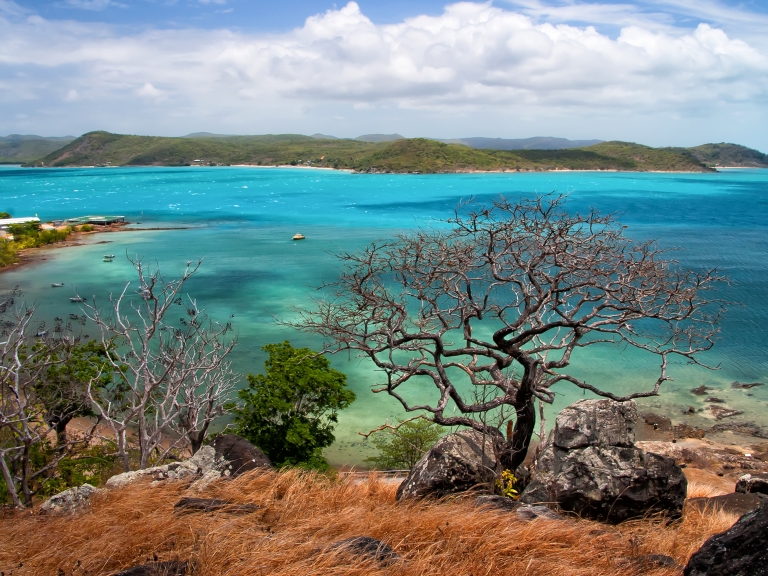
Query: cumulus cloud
(472, 56)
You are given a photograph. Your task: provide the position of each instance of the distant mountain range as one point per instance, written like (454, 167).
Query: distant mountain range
(371, 153)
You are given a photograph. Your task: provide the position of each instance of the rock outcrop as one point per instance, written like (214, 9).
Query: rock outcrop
(590, 466)
(753, 484)
(456, 463)
(741, 550)
(69, 500)
(734, 503)
(201, 463)
(240, 455)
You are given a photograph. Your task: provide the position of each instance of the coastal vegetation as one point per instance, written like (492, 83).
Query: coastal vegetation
(402, 445)
(29, 235)
(291, 410)
(397, 156)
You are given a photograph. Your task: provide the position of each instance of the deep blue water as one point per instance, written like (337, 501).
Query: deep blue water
(240, 220)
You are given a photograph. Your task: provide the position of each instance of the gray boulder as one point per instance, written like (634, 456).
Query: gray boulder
(742, 550)
(753, 484)
(456, 463)
(69, 500)
(590, 466)
(240, 454)
(203, 462)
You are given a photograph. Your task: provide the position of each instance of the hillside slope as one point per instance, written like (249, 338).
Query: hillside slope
(399, 156)
(20, 149)
(732, 155)
(300, 515)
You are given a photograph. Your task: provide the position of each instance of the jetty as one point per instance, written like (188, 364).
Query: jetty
(96, 220)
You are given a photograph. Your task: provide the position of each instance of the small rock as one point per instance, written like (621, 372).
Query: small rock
(741, 386)
(720, 412)
(691, 410)
(157, 569)
(742, 550)
(497, 502)
(753, 484)
(368, 547)
(213, 505)
(715, 400)
(69, 500)
(528, 513)
(700, 391)
(686, 431)
(734, 503)
(241, 454)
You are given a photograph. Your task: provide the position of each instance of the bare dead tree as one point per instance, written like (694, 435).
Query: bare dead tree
(500, 300)
(173, 373)
(27, 428)
(202, 399)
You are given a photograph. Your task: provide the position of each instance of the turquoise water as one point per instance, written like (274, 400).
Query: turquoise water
(240, 221)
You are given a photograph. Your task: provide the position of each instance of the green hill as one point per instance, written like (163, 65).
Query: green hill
(19, 148)
(400, 156)
(732, 155)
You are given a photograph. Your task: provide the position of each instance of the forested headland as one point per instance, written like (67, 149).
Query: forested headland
(407, 155)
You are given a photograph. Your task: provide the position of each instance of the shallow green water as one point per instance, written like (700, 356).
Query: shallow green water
(240, 221)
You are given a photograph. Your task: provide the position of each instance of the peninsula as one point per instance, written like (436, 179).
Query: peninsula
(402, 155)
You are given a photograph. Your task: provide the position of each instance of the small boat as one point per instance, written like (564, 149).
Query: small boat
(108, 260)
(109, 255)
(299, 236)
(77, 299)
(57, 284)
(41, 333)
(74, 316)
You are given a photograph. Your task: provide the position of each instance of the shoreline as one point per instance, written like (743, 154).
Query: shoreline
(714, 170)
(30, 256)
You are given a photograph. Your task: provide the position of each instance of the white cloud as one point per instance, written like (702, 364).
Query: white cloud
(474, 58)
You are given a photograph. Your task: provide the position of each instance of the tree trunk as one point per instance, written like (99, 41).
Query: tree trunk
(517, 445)
(9, 482)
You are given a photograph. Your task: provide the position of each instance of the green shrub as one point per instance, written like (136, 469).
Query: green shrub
(291, 411)
(87, 228)
(403, 447)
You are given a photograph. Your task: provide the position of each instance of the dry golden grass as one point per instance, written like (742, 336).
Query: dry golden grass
(304, 513)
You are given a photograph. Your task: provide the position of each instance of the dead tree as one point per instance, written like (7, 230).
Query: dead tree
(28, 433)
(172, 371)
(500, 299)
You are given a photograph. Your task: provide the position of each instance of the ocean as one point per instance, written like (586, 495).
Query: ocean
(240, 220)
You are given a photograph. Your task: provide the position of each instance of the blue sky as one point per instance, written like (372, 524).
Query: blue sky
(661, 72)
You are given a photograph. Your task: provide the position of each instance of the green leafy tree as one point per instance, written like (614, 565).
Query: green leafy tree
(401, 446)
(291, 411)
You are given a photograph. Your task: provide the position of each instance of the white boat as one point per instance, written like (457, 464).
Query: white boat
(41, 333)
(57, 284)
(299, 236)
(108, 260)
(74, 316)
(109, 255)
(77, 299)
